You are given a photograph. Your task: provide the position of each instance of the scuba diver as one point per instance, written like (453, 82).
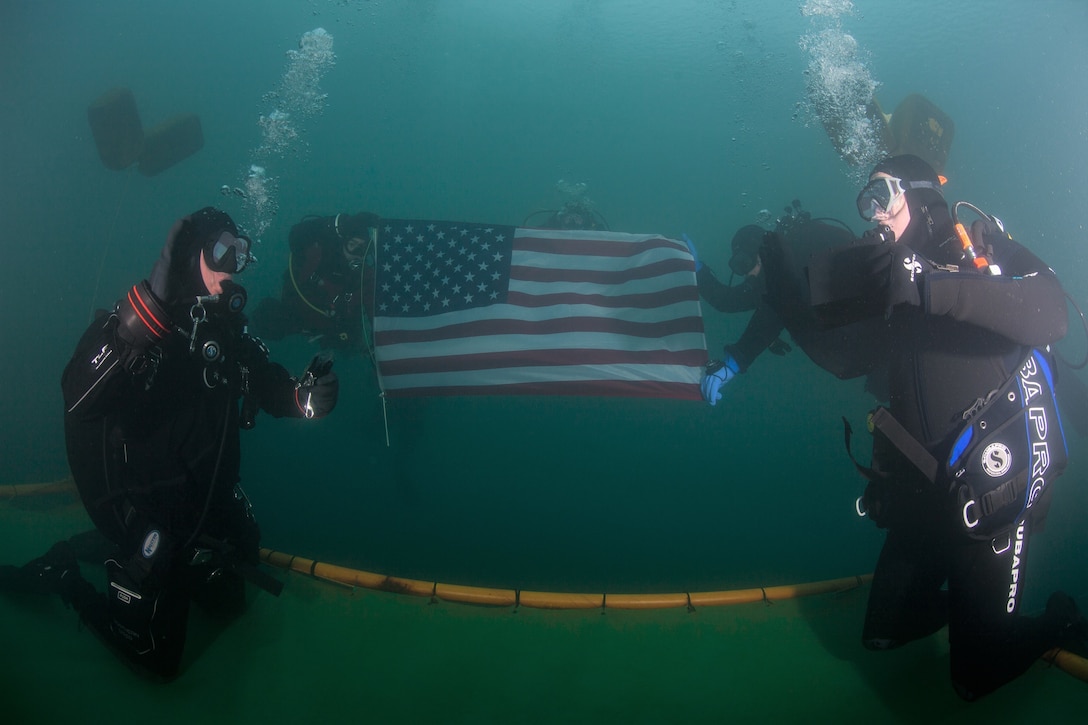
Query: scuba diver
(743, 263)
(775, 287)
(575, 214)
(962, 467)
(327, 282)
(155, 395)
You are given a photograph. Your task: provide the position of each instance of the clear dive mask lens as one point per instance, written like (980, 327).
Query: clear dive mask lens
(228, 254)
(880, 195)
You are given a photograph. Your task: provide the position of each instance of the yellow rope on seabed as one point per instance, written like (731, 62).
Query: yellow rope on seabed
(15, 490)
(1064, 660)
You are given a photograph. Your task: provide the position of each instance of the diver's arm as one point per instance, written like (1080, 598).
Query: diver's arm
(1025, 303)
(763, 328)
(96, 374)
(275, 391)
(727, 298)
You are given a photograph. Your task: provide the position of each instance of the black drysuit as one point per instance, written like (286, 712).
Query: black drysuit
(779, 297)
(968, 334)
(153, 444)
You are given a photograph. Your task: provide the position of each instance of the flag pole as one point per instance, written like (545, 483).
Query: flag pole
(366, 333)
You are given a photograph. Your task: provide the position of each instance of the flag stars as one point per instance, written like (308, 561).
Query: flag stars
(413, 281)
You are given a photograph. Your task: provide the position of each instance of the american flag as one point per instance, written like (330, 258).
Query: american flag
(465, 309)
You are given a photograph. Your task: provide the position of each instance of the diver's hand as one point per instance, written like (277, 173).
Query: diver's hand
(717, 374)
(317, 389)
(694, 254)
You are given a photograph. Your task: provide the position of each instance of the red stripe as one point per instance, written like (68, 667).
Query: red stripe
(581, 247)
(541, 358)
(146, 316)
(646, 271)
(551, 326)
(582, 388)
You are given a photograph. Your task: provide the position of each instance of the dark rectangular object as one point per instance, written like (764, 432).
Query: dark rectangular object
(171, 141)
(115, 125)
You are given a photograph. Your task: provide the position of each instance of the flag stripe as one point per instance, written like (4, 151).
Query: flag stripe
(654, 330)
(530, 358)
(470, 309)
(539, 375)
(649, 300)
(585, 388)
(581, 244)
(519, 270)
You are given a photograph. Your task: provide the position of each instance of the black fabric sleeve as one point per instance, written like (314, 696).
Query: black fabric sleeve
(275, 390)
(1025, 303)
(271, 387)
(726, 298)
(97, 373)
(762, 329)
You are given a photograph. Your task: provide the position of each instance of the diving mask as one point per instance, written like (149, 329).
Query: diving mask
(880, 195)
(228, 254)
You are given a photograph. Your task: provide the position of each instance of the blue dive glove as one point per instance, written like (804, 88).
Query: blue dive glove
(694, 254)
(717, 374)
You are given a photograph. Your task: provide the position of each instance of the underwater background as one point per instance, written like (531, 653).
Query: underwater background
(688, 116)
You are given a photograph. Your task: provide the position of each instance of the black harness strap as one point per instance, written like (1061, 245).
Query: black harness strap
(880, 419)
(907, 444)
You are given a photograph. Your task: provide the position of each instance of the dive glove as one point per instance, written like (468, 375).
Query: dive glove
(317, 388)
(717, 374)
(694, 254)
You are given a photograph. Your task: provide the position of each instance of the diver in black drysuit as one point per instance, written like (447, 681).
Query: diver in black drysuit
(779, 296)
(155, 394)
(328, 283)
(744, 262)
(954, 335)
